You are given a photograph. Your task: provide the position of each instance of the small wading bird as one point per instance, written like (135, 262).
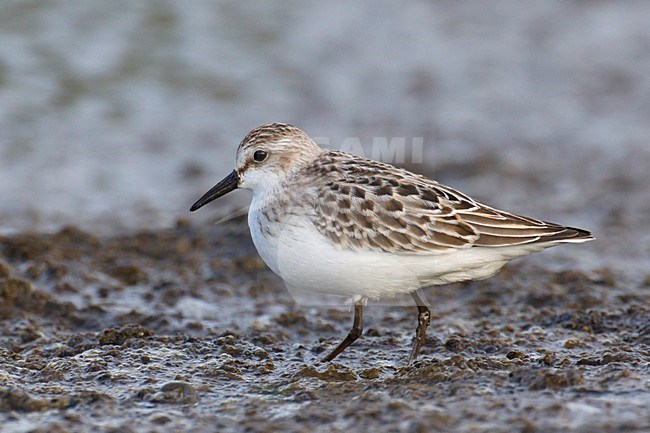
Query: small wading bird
(336, 223)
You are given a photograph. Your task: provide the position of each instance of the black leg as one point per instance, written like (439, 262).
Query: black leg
(355, 332)
(424, 318)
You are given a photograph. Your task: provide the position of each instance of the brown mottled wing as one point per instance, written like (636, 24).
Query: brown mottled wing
(498, 228)
(366, 205)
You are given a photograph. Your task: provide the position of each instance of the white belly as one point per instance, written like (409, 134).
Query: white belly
(305, 259)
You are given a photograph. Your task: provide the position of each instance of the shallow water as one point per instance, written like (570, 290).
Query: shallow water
(118, 118)
(141, 317)
(182, 329)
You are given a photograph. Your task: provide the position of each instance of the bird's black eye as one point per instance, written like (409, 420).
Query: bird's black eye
(260, 155)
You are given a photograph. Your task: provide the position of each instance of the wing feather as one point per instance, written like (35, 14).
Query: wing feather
(368, 205)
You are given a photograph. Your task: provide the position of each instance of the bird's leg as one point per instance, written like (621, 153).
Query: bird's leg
(355, 332)
(424, 318)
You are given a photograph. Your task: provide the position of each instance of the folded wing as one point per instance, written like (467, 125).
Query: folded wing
(409, 214)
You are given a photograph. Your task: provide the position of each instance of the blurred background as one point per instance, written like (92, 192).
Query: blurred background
(115, 116)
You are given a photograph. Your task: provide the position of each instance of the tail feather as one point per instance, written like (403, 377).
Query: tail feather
(570, 234)
(548, 233)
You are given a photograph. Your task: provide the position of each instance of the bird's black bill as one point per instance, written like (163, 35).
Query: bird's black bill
(222, 188)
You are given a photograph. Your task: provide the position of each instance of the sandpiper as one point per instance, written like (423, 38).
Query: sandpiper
(336, 223)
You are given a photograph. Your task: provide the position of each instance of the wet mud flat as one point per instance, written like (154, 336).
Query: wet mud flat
(186, 330)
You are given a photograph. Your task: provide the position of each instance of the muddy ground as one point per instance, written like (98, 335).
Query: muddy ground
(186, 330)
